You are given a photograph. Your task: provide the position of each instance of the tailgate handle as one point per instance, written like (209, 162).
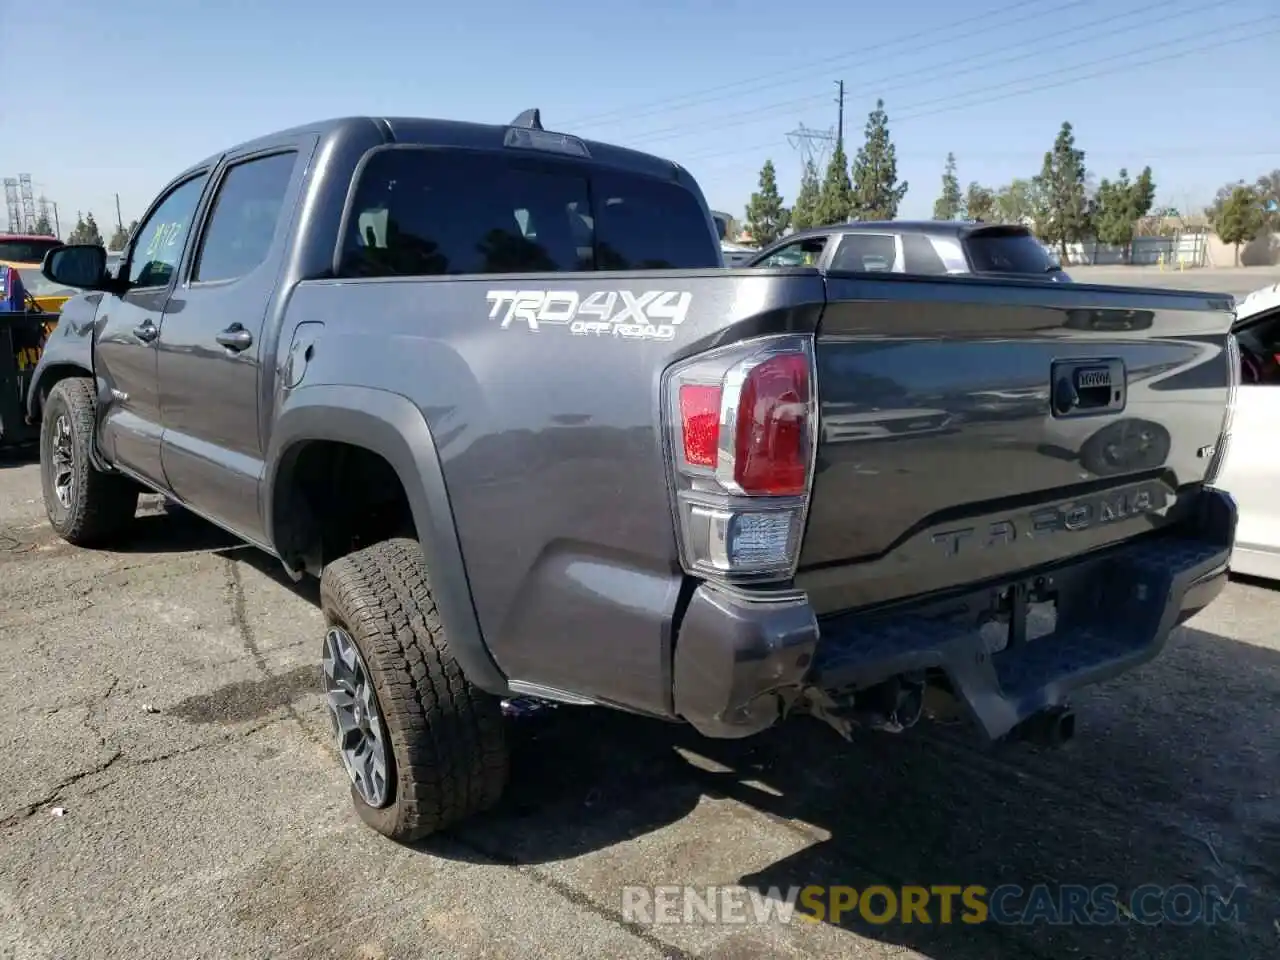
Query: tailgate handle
(1088, 387)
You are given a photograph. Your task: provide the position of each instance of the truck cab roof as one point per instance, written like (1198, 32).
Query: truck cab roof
(463, 134)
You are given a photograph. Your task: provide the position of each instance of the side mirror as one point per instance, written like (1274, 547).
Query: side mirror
(82, 265)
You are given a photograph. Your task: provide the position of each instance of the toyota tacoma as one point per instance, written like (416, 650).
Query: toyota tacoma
(494, 386)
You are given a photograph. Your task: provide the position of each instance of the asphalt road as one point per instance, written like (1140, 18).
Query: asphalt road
(162, 698)
(168, 790)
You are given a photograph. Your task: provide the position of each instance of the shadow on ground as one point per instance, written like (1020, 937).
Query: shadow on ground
(1172, 780)
(168, 528)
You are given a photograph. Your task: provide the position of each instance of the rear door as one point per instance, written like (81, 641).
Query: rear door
(972, 428)
(212, 340)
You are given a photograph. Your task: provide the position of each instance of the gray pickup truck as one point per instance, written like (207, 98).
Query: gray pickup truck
(494, 387)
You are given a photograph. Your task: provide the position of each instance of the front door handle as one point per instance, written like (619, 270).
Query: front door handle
(146, 331)
(235, 337)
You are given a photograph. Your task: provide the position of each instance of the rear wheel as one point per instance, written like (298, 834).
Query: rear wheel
(423, 747)
(85, 506)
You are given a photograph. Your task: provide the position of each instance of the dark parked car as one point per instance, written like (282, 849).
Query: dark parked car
(493, 385)
(922, 247)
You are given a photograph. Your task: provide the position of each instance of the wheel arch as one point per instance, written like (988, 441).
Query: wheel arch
(392, 428)
(46, 379)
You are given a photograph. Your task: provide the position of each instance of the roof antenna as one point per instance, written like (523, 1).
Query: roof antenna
(529, 118)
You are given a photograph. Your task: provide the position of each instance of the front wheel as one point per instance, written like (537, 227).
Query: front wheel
(85, 506)
(423, 747)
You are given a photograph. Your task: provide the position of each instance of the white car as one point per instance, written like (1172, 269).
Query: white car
(1251, 471)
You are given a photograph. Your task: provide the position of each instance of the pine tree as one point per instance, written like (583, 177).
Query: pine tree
(118, 239)
(835, 202)
(805, 212)
(876, 190)
(79, 231)
(766, 216)
(950, 203)
(1066, 201)
(92, 234)
(43, 227)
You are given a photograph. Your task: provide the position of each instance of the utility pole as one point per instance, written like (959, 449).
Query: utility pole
(57, 228)
(840, 115)
(119, 221)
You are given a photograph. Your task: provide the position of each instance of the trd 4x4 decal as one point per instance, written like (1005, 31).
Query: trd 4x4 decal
(652, 315)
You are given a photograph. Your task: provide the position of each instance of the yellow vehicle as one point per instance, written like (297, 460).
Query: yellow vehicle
(48, 297)
(25, 252)
(29, 308)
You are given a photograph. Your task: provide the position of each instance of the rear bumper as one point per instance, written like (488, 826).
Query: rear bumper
(739, 662)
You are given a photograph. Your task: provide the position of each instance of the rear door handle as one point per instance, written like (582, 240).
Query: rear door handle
(146, 332)
(235, 337)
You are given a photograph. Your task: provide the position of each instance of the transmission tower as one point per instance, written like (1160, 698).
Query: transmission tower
(28, 203)
(13, 204)
(813, 144)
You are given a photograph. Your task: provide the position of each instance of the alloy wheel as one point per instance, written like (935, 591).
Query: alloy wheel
(354, 716)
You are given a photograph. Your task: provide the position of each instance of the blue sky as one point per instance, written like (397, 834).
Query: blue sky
(100, 98)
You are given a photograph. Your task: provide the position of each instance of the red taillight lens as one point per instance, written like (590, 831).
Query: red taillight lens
(771, 446)
(700, 423)
(741, 428)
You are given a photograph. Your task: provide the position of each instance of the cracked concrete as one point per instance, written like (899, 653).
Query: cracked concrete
(217, 822)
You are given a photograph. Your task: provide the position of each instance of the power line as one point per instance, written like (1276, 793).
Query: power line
(1127, 66)
(667, 104)
(1077, 78)
(945, 69)
(1072, 69)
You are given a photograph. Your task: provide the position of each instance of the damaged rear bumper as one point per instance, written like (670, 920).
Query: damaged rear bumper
(742, 662)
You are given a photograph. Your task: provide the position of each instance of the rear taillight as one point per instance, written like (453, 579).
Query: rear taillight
(1224, 438)
(743, 427)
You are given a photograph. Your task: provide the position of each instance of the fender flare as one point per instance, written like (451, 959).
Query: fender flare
(391, 426)
(58, 368)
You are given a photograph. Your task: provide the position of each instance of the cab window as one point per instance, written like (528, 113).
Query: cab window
(420, 212)
(246, 213)
(866, 253)
(160, 240)
(800, 253)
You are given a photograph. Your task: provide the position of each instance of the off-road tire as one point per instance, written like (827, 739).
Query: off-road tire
(449, 757)
(100, 506)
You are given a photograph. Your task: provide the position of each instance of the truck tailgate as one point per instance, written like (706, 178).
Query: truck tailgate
(970, 429)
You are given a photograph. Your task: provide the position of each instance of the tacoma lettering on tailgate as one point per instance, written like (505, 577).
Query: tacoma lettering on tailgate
(1082, 513)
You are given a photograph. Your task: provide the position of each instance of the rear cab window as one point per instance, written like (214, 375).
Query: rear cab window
(422, 211)
(1003, 250)
(26, 249)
